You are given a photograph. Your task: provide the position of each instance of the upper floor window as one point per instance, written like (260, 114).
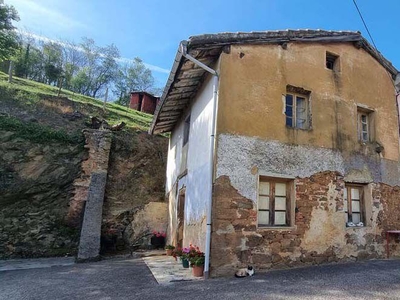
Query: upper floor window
(186, 131)
(365, 125)
(274, 202)
(332, 61)
(297, 109)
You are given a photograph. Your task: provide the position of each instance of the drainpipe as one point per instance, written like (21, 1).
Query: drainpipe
(211, 156)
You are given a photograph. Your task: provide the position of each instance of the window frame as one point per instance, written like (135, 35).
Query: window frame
(333, 59)
(348, 209)
(294, 107)
(289, 211)
(369, 131)
(186, 131)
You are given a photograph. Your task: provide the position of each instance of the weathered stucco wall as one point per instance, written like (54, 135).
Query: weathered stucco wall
(253, 140)
(254, 78)
(197, 180)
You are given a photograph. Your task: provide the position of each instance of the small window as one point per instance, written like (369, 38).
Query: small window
(364, 125)
(353, 198)
(332, 61)
(186, 131)
(297, 111)
(274, 202)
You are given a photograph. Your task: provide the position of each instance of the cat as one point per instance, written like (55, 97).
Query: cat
(249, 271)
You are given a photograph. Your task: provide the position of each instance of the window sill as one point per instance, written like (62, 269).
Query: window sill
(296, 128)
(277, 228)
(355, 227)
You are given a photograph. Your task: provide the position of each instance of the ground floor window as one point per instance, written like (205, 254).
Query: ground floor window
(274, 202)
(353, 197)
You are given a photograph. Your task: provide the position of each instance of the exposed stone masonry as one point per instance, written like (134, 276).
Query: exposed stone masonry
(318, 236)
(98, 144)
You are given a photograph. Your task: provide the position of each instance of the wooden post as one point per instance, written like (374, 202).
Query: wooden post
(60, 86)
(105, 100)
(10, 70)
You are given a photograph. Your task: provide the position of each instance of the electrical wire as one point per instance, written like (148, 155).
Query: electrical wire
(373, 42)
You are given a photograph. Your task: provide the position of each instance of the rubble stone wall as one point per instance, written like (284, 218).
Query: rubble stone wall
(319, 233)
(318, 236)
(98, 145)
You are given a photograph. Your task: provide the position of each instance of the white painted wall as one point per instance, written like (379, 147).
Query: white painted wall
(197, 180)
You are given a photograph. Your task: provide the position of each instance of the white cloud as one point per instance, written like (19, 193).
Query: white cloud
(36, 13)
(121, 59)
(151, 67)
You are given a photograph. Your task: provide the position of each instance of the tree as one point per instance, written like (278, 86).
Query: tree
(53, 60)
(100, 68)
(133, 77)
(8, 38)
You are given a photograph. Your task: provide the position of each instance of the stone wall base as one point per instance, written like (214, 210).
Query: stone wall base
(318, 236)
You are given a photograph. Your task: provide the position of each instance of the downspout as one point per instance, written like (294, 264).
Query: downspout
(211, 156)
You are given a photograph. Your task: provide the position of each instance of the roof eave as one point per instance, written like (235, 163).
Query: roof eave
(171, 78)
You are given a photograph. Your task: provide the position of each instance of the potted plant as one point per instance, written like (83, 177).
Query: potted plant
(177, 253)
(196, 258)
(197, 264)
(185, 257)
(158, 239)
(169, 249)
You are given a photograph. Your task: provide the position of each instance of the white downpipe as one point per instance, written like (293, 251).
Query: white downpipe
(211, 156)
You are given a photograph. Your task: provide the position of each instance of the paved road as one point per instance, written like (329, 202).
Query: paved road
(131, 279)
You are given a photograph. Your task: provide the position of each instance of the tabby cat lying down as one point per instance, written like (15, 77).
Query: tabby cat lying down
(249, 271)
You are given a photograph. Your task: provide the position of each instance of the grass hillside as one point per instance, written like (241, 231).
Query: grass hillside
(30, 93)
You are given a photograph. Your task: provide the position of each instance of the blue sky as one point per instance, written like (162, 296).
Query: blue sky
(152, 30)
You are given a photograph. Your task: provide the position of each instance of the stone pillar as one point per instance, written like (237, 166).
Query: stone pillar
(89, 244)
(98, 144)
(90, 189)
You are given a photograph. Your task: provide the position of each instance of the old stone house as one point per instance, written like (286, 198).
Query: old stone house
(284, 148)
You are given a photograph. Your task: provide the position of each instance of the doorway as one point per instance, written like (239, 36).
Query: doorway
(180, 217)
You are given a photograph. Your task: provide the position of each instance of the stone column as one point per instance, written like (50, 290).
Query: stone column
(89, 244)
(98, 144)
(90, 189)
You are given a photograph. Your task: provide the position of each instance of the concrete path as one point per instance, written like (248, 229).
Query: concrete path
(166, 270)
(37, 263)
(131, 279)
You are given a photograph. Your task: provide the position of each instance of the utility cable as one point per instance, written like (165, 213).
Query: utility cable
(373, 42)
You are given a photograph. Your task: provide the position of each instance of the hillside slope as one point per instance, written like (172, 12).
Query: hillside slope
(41, 154)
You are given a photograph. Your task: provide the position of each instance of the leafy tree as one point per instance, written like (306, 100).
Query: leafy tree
(133, 77)
(100, 67)
(29, 62)
(8, 38)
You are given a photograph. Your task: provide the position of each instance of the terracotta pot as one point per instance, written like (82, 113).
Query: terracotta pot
(169, 252)
(198, 271)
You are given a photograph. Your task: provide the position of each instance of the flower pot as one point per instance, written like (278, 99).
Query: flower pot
(198, 271)
(185, 263)
(158, 241)
(169, 251)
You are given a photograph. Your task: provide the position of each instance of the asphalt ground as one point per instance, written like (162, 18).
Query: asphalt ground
(131, 279)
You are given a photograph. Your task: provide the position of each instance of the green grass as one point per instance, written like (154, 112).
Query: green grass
(31, 92)
(36, 132)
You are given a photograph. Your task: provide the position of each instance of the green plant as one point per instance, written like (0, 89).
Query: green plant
(177, 252)
(169, 247)
(197, 261)
(195, 256)
(36, 132)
